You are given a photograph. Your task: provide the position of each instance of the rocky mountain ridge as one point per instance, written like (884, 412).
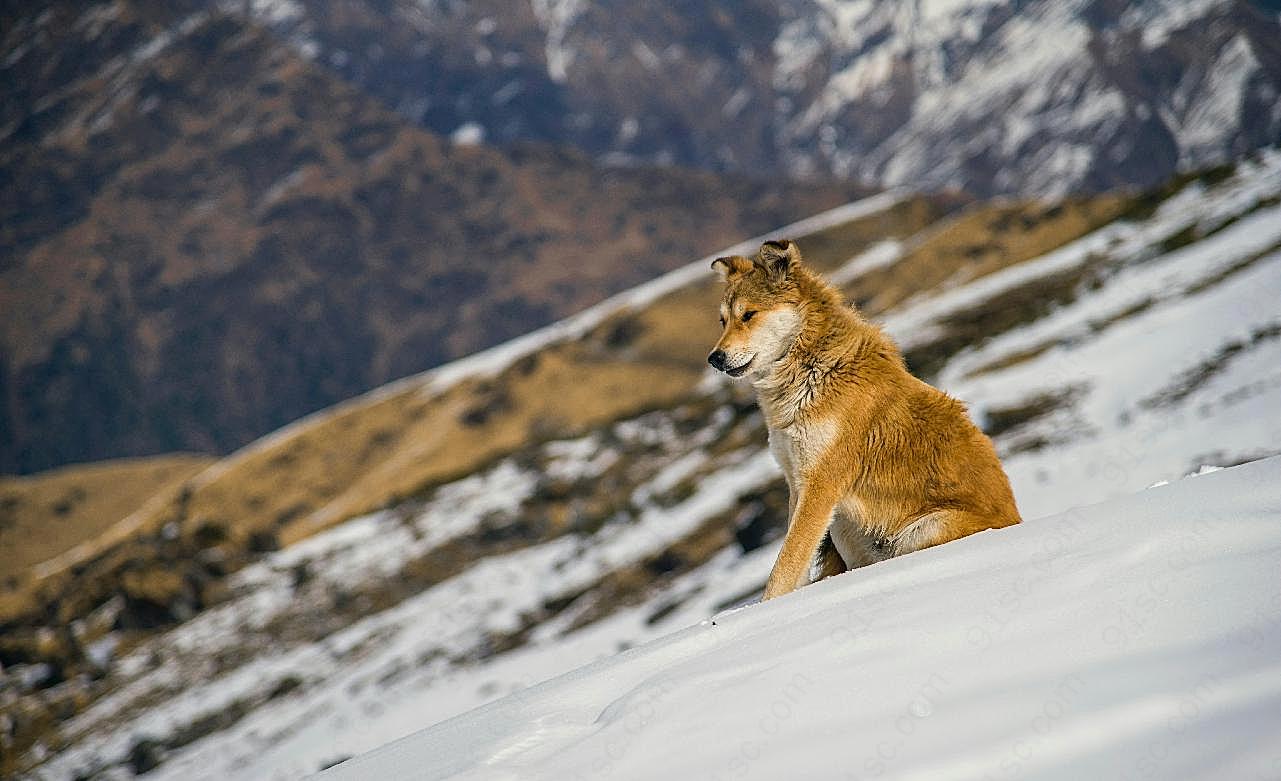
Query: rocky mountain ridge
(1030, 98)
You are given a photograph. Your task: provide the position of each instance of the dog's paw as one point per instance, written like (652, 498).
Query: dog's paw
(776, 588)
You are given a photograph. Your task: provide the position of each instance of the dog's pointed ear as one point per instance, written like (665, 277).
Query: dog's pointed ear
(731, 266)
(779, 258)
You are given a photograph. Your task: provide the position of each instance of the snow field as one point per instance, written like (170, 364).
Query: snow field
(1134, 639)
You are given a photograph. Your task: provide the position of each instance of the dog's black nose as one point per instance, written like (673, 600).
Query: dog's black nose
(717, 359)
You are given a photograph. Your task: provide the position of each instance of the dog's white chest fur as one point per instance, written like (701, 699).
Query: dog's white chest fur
(798, 446)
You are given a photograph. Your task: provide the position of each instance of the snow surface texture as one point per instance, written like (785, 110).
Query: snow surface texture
(1140, 638)
(1173, 359)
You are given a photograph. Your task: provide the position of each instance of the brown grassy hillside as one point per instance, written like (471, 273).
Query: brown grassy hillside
(204, 236)
(46, 515)
(398, 442)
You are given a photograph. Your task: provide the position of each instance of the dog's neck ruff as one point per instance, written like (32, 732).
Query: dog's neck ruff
(792, 382)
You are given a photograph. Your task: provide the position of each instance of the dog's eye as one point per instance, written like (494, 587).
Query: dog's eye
(747, 316)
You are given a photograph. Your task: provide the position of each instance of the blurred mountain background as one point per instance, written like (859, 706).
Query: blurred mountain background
(206, 236)
(990, 97)
(221, 219)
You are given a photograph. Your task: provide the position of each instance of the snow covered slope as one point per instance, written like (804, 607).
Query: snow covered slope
(1136, 638)
(1132, 355)
(1167, 356)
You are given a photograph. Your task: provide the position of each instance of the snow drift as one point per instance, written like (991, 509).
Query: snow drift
(1138, 638)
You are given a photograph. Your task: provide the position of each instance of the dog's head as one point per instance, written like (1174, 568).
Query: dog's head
(760, 311)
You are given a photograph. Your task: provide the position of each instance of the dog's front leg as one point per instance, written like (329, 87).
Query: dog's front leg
(809, 522)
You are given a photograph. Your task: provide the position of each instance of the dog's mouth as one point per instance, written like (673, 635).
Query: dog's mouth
(741, 369)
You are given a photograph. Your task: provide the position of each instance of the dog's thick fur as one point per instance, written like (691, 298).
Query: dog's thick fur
(878, 463)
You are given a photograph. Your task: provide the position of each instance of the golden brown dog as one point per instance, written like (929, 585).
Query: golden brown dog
(878, 463)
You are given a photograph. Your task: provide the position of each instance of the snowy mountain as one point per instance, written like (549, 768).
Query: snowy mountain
(1041, 97)
(1105, 345)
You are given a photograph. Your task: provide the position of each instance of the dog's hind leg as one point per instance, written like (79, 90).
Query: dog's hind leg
(942, 526)
(828, 561)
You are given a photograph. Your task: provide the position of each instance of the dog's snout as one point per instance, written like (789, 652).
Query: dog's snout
(717, 359)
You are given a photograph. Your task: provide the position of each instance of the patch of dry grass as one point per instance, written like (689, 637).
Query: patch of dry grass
(984, 239)
(47, 514)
